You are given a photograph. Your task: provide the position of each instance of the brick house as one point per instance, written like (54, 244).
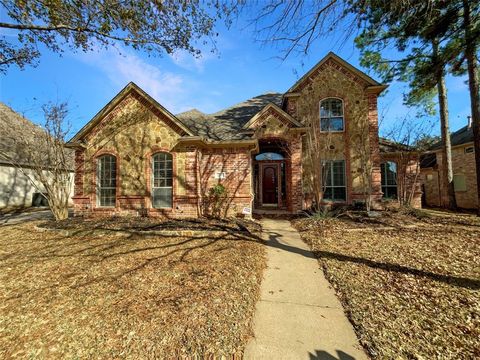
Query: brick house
(135, 157)
(464, 173)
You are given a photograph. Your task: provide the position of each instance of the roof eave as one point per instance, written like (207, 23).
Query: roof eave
(131, 86)
(375, 89)
(277, 109)
(204, 142)
(342, 62)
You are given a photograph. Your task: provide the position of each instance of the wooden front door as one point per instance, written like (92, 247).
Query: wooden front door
(270, 184)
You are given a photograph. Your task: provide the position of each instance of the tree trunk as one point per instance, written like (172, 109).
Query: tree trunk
(447, 146)
(473, 82)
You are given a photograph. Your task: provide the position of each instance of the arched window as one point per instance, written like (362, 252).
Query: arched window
(331, 115)
(389, 179)
(106, 180)
(162, 180)
(269, 156)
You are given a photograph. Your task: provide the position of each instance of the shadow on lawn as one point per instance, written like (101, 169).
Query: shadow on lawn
(78, 244)
(468, 283)
(448, 279)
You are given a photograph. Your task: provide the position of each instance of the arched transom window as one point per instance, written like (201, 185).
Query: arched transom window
(269, 156)
(389, 179)
(331, 115)
(106, 180)
(162, 180)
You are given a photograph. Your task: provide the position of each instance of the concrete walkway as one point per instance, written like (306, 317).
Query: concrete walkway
(26, 216)
(298, 315)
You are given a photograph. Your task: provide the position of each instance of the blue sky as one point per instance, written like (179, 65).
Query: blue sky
(242, 69)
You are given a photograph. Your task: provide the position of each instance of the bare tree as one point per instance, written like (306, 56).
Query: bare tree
(317, 150)
(40, 154)
(366, 166)
(295, 25)
(412, 136)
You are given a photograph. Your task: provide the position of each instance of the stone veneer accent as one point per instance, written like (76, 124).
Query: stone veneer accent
(135, 129)
(360, 113)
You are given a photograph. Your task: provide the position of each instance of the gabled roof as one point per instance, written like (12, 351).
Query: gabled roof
(130, 88)
(274, 109)
(459, 137)
(371, 83)
(388, 146)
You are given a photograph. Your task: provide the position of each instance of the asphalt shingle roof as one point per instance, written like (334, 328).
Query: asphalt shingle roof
(13, 128)
(459, 137)
(227, 124)
(20, 138)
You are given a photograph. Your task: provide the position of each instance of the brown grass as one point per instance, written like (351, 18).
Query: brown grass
(409, 282)
(136, 296)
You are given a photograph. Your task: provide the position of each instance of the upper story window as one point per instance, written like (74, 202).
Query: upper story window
(106, 180)
(331, 115)
(162, 180)
(389, 179)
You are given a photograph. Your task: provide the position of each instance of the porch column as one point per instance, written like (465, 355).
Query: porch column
(296, 191)
(374, 148)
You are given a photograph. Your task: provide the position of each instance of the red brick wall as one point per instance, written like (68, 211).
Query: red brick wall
(463, 164)
(431, 182)
(409, 177)
(296, 190)
(374, 148)
(235, 163)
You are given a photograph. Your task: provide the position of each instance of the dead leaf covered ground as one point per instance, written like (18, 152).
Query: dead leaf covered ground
(136, 296)
(410, 284)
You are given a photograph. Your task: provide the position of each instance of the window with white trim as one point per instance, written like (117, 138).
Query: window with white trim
(389, 179)
(106, 180)
(335, 185)
(331, 115)
(162, 180)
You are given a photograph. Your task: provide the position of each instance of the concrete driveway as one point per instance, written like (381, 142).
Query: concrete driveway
(22, 217)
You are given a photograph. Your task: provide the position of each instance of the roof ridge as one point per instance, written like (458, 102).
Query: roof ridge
(244, 101)
(192, 110)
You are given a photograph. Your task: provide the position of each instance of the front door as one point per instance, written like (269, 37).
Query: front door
(270, 184)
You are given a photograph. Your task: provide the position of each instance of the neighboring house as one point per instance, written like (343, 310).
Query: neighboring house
(18, 187)
(464, 171)
(135, 157)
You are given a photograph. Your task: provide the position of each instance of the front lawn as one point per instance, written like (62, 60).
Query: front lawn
(95, 291)
(409, 282)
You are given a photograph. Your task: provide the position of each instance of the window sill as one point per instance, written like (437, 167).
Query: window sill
(161, 209)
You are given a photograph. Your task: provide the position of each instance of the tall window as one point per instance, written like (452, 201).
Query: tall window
(106, 180)
(162, 181)
(335, 188)
(331, 115)
(389, 179)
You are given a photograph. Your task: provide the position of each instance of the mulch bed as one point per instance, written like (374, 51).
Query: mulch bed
(410, 283)
(143, 296)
